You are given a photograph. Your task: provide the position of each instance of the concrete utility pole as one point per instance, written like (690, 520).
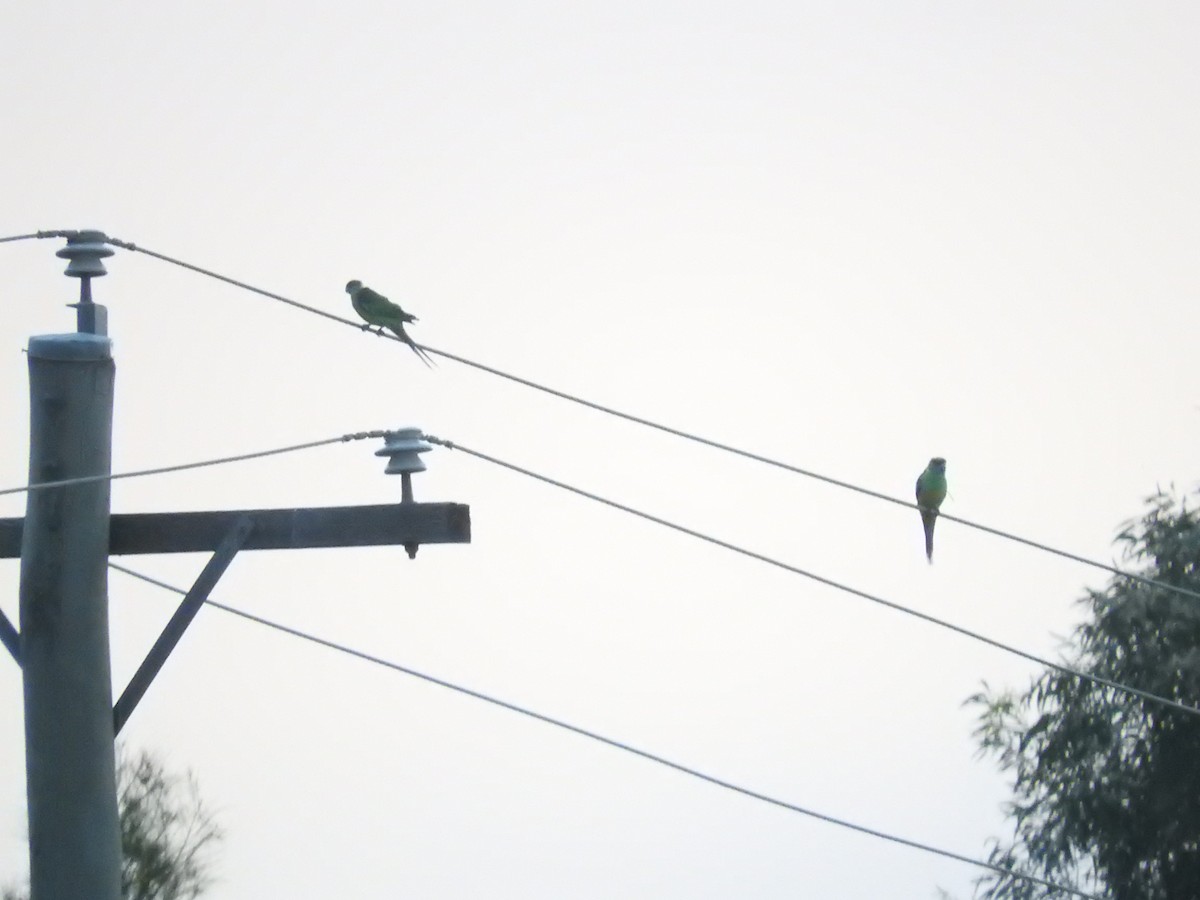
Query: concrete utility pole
(64, 542)
(74, 832)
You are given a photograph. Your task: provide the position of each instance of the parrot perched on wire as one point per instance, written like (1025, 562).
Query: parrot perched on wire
(931, 491)
(378, 310)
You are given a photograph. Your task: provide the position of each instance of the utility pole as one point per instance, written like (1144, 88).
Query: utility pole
(64, 542)
(74, 830)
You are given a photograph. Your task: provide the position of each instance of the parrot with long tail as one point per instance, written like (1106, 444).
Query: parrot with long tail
(931, 491)
(381, 312)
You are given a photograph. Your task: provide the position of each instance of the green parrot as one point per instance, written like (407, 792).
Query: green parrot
(931, 491)
(378, 310)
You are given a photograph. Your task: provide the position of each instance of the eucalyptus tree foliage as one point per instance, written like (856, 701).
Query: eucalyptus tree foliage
(1106, 786)
(167, 834)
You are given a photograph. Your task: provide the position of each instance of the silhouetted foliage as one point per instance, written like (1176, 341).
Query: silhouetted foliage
(1106, 785)
(166, 834)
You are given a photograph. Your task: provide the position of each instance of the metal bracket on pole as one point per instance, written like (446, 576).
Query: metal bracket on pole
(174, 629)
(9, 637)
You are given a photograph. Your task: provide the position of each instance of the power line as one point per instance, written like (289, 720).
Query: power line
(796, 570)
(612, 742)
(808, 473)
(126, 245)
(87, 479)
(667, 429)
(549, 720)
(38, 234)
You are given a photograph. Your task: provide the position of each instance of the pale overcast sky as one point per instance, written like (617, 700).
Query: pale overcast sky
(849, 235)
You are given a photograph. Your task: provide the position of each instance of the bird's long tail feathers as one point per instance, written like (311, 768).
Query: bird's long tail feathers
(424, 356)
(403, 335)
(928, 518)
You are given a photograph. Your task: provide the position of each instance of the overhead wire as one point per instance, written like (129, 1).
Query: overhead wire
(614, 743)
(821, 579)
(676, 432)
(159, 470)
(57, 233)
(679, 433)
(808, 473)
(1187, 708)
(127, 245)
(752, 554)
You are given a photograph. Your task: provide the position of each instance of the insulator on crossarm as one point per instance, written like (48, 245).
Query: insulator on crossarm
(85, 250)
(403, 448)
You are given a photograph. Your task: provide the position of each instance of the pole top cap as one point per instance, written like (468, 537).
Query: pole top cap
(70, 347)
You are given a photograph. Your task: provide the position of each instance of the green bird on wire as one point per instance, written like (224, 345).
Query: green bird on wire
(931, 491)
(378, 310)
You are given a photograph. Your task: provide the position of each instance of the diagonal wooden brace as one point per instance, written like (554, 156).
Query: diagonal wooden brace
(174, 629)
(9, 637)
